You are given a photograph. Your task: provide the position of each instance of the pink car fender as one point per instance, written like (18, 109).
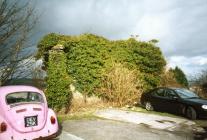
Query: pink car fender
(51, 117)
(4, 134)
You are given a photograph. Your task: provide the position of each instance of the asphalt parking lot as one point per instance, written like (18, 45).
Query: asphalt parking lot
(123, 125)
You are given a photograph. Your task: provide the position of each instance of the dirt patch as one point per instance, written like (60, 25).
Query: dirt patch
(201, 135)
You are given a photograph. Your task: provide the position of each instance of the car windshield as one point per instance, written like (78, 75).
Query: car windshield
(24, 97)
(183, 93)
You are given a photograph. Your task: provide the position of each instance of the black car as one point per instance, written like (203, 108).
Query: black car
(175, 100)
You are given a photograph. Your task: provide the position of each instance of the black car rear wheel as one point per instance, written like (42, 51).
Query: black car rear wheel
(191, 113)
(148, 106)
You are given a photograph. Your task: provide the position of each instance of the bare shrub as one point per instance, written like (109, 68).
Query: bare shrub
(199, 84)
(121, 86)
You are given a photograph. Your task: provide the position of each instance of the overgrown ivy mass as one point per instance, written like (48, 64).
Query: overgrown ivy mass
(58, 81)
(89, 57)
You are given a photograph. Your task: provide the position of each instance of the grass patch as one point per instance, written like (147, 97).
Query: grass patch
(89, 115)
(202, 123)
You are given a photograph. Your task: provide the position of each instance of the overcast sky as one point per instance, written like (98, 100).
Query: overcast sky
(179, 25)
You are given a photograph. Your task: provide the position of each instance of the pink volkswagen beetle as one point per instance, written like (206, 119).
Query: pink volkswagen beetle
(24, 114)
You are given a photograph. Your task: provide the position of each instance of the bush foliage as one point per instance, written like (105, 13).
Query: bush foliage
(89, 57)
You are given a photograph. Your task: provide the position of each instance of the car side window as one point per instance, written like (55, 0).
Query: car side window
(170, 94)
(160, 92)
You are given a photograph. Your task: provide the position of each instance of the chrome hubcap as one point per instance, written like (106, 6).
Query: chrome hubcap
(148, 106)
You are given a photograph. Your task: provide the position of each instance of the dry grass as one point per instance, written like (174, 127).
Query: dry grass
(83, 110)
(92, 103)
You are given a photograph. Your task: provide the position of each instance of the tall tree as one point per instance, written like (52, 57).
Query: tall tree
(17, 20)
(180, 76)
